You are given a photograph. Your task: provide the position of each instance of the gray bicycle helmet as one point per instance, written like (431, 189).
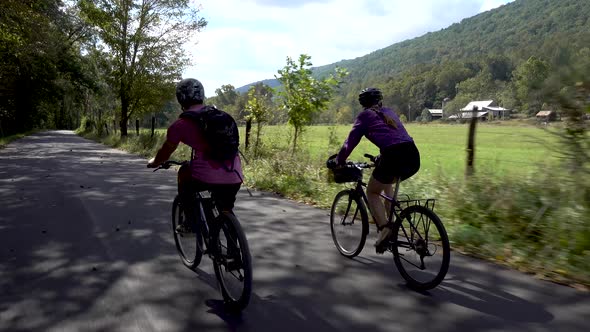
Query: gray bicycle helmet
(370, 96)
(190, 92)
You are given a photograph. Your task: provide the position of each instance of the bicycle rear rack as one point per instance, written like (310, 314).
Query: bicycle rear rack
(426, 202)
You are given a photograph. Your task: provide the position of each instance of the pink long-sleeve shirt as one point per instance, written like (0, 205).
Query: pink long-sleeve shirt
(205, 170)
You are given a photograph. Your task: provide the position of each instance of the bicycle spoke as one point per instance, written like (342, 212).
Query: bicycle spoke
(402, 257)
(347, 223)
(416, 255)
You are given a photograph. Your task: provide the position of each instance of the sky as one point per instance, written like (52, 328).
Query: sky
(246, 41)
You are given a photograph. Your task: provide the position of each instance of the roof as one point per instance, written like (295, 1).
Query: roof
(496, 108)
(467, 115)
(544, 113)
(435, 111)
(480, 105)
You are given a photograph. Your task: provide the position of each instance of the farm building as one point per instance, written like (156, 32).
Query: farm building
(489, 107)
(436, 113)
(546, 116)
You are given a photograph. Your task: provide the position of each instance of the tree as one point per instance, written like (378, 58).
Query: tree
(425, 116)
(302, 94)
(40, 65)
(529, 78)
(568, 90)
(258, 109)
(143, 40)
(228, 99)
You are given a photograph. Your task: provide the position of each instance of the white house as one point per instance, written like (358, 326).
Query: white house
(489, 107)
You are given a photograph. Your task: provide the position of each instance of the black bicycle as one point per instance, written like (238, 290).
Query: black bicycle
(219, 236)
(421, 253)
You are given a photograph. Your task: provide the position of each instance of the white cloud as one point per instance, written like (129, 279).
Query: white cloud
(248, 41)
(491, 4)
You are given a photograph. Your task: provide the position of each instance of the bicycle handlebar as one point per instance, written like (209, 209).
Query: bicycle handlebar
(363, 164)
(168, 163)
(371, 157)
(332, 164)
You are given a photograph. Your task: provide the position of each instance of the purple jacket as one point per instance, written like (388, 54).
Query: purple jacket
(368, 123)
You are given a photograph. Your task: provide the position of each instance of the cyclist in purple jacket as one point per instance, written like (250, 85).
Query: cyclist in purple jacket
(399, 156)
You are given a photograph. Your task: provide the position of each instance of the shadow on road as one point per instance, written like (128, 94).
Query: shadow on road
(87, 245)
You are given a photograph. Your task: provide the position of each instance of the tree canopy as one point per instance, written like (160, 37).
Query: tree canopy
(144, 44)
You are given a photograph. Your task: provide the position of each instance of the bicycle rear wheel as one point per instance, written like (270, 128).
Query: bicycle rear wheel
(421, 252)
(187, 244)
(349, 223)
(232, 263)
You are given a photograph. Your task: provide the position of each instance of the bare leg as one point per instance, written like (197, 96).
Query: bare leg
(374, 188)
(388, 192)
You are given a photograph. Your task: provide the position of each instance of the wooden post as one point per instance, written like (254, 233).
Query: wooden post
(248, 129)
(153, 125)
(470, 170)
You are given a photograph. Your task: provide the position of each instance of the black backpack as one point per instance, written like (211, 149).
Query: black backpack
(220, 131)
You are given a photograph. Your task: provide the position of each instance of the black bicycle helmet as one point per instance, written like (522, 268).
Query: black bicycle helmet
(190, 92)
(370, 96)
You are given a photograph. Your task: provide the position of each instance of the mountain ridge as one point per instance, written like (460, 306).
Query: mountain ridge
(498, 31)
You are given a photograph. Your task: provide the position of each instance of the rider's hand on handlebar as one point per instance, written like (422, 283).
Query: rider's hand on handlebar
(332, 163)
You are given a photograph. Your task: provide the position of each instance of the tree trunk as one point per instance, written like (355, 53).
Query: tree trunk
(124, 113)
(295, 139)
(248, 130)
(258, 128)
(470, 170)
(137, 127)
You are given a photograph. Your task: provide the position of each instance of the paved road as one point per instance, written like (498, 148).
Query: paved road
(85, 245)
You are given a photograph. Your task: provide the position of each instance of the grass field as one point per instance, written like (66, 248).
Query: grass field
(499, 149)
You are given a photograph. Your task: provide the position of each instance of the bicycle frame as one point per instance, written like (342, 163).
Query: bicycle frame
(206, 213)
(360, 188)
(395, 204)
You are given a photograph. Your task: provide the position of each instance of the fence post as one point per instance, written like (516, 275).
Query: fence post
(471, 144)
(153, 125)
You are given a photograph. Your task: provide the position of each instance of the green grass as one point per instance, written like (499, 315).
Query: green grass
(7, 139)
(500, 149)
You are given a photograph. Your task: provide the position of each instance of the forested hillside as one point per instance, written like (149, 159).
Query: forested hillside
(479, 58)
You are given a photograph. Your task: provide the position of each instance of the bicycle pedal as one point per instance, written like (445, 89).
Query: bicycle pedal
(232, 265)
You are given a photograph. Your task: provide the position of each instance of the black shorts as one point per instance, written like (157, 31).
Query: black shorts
(398, 160)
(224, 195)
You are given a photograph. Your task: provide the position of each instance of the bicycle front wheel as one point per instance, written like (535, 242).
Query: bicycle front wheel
(349, 223)
(186, 244)
(232, 263)
(421, 250)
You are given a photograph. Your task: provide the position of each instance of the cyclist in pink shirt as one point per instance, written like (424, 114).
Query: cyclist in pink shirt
(223, 179)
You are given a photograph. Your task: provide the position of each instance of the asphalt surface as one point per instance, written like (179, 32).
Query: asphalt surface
(86, 245)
